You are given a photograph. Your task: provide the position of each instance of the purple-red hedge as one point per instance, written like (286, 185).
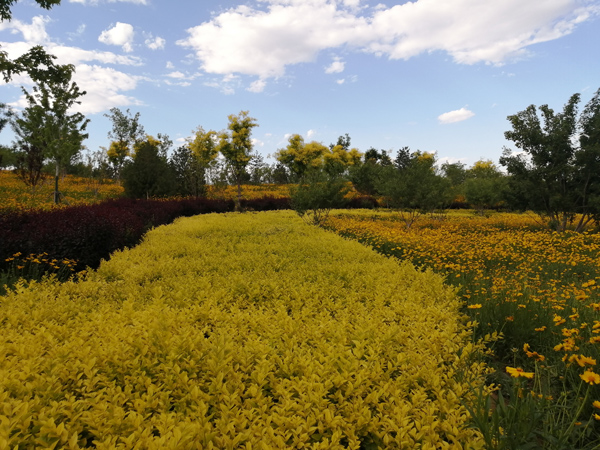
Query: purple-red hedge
(91, 233)
(88, 234)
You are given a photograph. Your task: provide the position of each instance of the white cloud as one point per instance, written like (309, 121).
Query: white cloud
(155, 43)
(105, 86)
(78, 33)
(455, 116)
(340, 81)
(264, 41)
(337, 66)
(257, 143)
(257, 86)
(310, 133)
(34, 33)
(121, 34)
(176, 74)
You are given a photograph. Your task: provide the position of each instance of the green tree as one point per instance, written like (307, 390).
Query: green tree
(125, 133)
(236, 147)
(413, 187)
(364, 176)
(47, 125)
(484, 185)
(317, 193)
(29, 164)
(188, 174)
(555, 175)
(587, 163)
(149, 174)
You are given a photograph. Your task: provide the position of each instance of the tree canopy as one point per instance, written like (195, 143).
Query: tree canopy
(556, 173)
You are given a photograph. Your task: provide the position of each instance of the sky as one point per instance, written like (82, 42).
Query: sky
(434, 75)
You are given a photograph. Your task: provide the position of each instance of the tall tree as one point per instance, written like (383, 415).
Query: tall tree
(484, 186)
(149, 174)
(413, 187)
(299, 157)
(125, 133)
(236, 147)
(48, 124)
(553, 174)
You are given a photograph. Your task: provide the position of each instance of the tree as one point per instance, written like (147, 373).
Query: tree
(188, 174)
(205, 151)
(149, 174)
(29, 164)
(125, 133)
(47, 125)
(236, 147)
(413, 187)
(587, 163)
(484, 186)
(317, 193)
(6, 13)
(364, 176)
(556, 173)
(455, 174)
(299, 157)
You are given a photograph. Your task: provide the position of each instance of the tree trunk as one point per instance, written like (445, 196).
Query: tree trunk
(56, 193)
(238, 203)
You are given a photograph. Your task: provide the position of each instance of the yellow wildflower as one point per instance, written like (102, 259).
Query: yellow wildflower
(590, 377)
(518, 372)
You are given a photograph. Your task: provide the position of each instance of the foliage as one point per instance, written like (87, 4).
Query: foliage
(29, 164)
(149, 174)
(484, 186)
(125, 133)
(317, 194)
(412, 186)
(5, 5)
(236, 147)
(557, 174)
(365, 176)
(46, 127)
(301, 158)
(539, 288)
(234, 331)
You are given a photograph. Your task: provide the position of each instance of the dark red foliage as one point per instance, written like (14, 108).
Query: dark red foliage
(88, 234)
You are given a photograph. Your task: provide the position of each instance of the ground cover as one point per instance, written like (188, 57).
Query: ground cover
(238, 331)
(537, 287)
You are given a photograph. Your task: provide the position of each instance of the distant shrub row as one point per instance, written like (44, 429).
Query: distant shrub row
(91, 233)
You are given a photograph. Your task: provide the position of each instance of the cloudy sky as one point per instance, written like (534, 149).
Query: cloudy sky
(434, 75)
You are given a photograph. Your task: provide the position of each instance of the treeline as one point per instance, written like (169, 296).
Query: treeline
(555, 170)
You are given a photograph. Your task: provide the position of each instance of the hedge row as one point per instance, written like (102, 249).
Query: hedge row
(239, 331)
(90, 233)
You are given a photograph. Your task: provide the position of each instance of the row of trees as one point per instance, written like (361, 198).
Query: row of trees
(555, 172)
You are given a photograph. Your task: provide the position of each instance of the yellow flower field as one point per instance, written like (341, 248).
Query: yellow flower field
(15, 195)
(539, 288)
(239, 331)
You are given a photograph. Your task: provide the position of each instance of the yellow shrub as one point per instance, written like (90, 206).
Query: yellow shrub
(238, 331)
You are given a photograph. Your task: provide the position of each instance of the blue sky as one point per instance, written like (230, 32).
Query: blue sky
(435, 75)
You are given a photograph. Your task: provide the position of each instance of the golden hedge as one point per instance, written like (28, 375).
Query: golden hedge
(250, 331)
